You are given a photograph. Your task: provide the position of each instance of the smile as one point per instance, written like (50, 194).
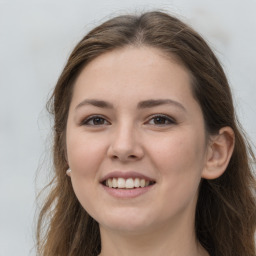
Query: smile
(129, 183)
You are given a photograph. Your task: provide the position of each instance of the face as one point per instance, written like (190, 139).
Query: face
(136, 141)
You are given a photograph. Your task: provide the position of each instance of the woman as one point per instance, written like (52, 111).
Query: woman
(149, 157)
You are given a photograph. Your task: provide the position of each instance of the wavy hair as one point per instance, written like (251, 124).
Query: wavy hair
(226, 212)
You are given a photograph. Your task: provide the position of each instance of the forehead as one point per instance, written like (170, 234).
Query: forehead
(140, 72)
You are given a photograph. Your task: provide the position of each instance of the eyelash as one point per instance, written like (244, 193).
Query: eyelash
(93, 118)
(165, 118)
(168, 119)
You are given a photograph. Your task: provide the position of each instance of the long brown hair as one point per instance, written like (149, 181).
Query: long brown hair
(226, 212)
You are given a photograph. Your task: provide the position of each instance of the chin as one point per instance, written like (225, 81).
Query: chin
(125, 228)
(127, 223)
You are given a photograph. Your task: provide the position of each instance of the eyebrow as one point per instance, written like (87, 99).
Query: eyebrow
(95, 102)
(141, 105)
(158, 102)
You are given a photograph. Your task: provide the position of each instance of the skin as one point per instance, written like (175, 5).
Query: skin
(174, 151)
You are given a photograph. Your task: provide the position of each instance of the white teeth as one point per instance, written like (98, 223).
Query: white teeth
(129, 183)
(109, 183)
(126, 183)
(121, 183)
(136, 182)
(114, 183)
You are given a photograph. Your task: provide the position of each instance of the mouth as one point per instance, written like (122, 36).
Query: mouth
(127, 183)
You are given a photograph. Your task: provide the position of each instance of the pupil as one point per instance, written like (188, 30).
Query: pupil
(160, 120)
(98, 121)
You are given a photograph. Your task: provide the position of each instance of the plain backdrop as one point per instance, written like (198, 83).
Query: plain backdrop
(36, 38)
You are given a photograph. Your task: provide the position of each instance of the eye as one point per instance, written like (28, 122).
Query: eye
(161, 120)
(95, 121)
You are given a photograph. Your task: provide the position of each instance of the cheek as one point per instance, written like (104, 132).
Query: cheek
(179, 161)
(182, 149)
(85, 156)
(84, 153)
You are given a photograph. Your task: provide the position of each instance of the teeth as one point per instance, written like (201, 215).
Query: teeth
(136, 182)
(127, 183)
(114, 183)
(121, 183)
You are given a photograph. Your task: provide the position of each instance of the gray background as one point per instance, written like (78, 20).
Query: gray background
(36, 38)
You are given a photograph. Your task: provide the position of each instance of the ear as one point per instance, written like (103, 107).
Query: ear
(219, 152)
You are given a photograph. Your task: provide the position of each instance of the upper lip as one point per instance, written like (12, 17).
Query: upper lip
(126, 175)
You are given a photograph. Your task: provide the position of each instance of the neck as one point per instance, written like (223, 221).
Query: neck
(176, 241)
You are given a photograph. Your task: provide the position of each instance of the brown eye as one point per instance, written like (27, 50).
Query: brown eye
(95, 121)
(161, 120)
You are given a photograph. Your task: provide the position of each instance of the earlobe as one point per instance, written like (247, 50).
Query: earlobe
(219, 152)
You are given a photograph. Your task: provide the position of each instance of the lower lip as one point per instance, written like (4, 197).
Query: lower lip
(127, 193)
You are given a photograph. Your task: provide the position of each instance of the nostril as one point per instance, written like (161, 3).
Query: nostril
(124, 158)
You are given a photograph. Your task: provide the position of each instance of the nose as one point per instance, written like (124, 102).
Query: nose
(125, 144)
